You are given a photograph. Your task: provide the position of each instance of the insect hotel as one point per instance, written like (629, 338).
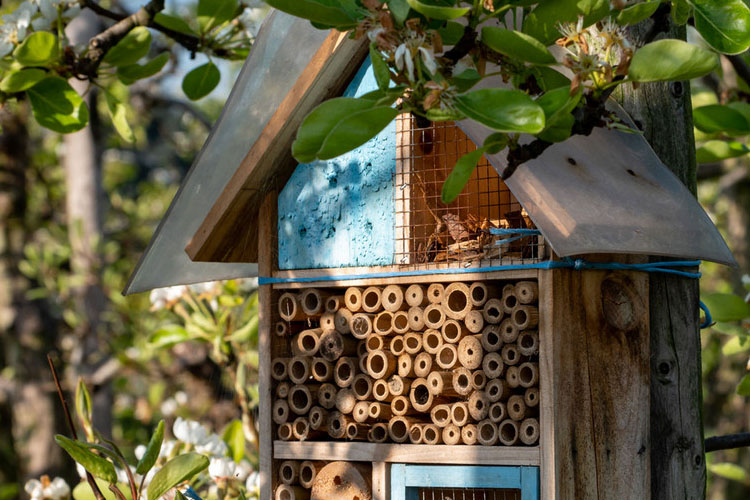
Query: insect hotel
(409, 349)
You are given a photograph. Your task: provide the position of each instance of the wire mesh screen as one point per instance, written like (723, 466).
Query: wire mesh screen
(430, 232)
(468, 494)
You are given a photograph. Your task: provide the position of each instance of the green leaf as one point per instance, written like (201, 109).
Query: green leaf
(735, 345)
(542, 22)
(517, 45)
(316, 12)
(743, 388)
(83, 407)
(549, 79)
(37, 49)
(18, 81)
(379, 68)
(724, 24)
(557, 105)
(133, 72)
(729, 470)
(234, 437)
(173, 23)
(726, 306)
(558, 130)
(437, 11)
(681, 11)
(355, 130)
(443, 115)
(718, 118)
(636, 13)
(153, 448)
(82, 491)
(495, 142)
(451, 33)
(179, 469)
(118, 114)
(503, 110)
(717, 150)
(212, 13)
(460, 175)
(80, 452)
(169, 335)
(671, 60)
(131, 48)
(399, 9)
(201, 81)
(57, 106)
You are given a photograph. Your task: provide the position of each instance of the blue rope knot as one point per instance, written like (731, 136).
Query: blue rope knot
(579, 264)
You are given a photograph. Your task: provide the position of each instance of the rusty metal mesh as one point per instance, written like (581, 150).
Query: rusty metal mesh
(468, 494)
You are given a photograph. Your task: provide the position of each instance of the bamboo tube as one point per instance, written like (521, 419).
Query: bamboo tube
(416, 433)
(400, 406)
(423, 364)
(289, 472)
(337, 424)
(281, 329)
(508, 331)
(333, 345)
(397, 345)
(371, 299)
(441, 415)
(474, 321)
(379, 411)
(299, 369)
(456, 302)
(415, 296)
(435, 293)
(321, 369)
(496, 390)
(392, 298)
(399, 386)
(378, 433)
(509, 300)
(470, 352)
(380, 391)
(301, 398)
(362, 348)
(308, 470)
(462, 381)
(479, 405)
(431, 434)
(479, 293)
(528, 343)
(345, 401)
(312, 301)
(356, 431)
(415, 316)
(363, 363)
(280, 411)
(447, 356)
(525, 317)
(451, 434)
(413, 343)
(433, 316)
(511, 377)
(517, 409)
(510, 354)
(401, 322)
(491, 340)
(353, 299)
(492, 364)
(362, 387)
(441, 384)
(497, 412)
(327, 396)
(487, 433)
(452, 331)
(478, 380)
(291, 492)
(361, 412)
(528, 374)
(376, 342)
(405, 366)
(529, 431)
(383, 324)
(381, 364)
(290, 308)
(421, 398)
(343, 319)
(508, 432)
(361, 325)
(318, 418)
(469, 434)
(333, 303)
(282, 390)
(280, 368)
(459, 414)
(493, 311)
(307, 342)
(432, 341)
(328, 321)
(527, 292)
(398, 428)
(509, 288)
(344, 371)
(531, 397)
(301, 429)
(285, 432)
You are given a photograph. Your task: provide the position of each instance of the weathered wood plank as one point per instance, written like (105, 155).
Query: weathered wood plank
(546, 385)
(380, 480)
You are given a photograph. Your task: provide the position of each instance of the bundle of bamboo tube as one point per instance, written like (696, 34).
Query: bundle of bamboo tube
(440, 364)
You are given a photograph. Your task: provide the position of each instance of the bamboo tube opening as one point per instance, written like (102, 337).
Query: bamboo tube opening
(300, 399)
(478, 293)
(412, 343)
(432, 341)
(361, 411)
(495, 390)
(487, 433)
(342, 320)
(528, 374)
(416, 433)
(525, 317)
(322, 370)
(337, 425)
(398, 429)
(371, 299)
(510, 301)
(280, 368)
(434, 316)
(312, 301)
(288, 472)
(479, 405)
(345, 401)
(517, 408)
(333, 303)
(333, 345)
(528, 343)
(380, 364)
(400, 406)
(405, 366)
(285, 431)
(469, 434)
(474, 321)
(397, 345)
(415, 296)
(362, 348)
(380, 411)
(343, 373)
(380, 390)
(492, 364)
(318, 417)
(399, 386)
(327, 396)
(307, 472)
(511, 377)
(462, 381)
(393, 298)
(282, 390)
(510, 354)
(291, 492)
(478, 379)
(357, 431)
(423, 364)
(420, 396)
(491, 340)
(280, 411)
(401, 322)
(531, 397)
(328, 321)
(451, 434)
(497, 412)
(301, 428)
(289, 308)
(508, 432)
(416, 318)
(527, 292)
(376, 342)
(459, 414)
(492, 311)
(452, 331)
(362, 360)
(435, 293)
(378, 433)
(447, 356)
(431, 434)
(441, 415)
(470, 352)
(508, 331)
(362, 386)
(281, 329)
(299, 369)
(307, 342)
(361, 325)
(383, 323)
(440, 383)
(353, 299)
(529, 431)
(456, 302)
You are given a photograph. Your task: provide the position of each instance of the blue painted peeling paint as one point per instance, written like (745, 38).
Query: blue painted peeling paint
(340, 213)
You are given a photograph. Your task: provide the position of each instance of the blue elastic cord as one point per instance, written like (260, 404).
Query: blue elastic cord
(520, 233)
(708, 321)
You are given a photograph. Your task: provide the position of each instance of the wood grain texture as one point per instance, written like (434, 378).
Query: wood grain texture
(546, 385)
(380, 480)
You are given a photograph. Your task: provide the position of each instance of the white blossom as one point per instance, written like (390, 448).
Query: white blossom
(167, 447)
(251, 19)
(14, 27)
(243, 470)
(49, 12)
(204, 287)
(253, 482)
(161, 297)
(212, 445)
(44, 489)
(189, 431)
(428, 58)
(139, 451)
(221, 468)
(403, 58)
(168, 407)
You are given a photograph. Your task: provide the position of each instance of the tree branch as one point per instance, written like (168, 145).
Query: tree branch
(728, 442)
(740, 67)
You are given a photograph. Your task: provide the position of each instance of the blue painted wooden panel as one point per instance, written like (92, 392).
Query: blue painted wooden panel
(340, 213)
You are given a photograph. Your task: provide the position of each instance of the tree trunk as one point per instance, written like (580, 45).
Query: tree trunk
(678, 471)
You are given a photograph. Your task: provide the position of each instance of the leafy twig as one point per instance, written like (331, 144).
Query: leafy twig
(728, 442)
